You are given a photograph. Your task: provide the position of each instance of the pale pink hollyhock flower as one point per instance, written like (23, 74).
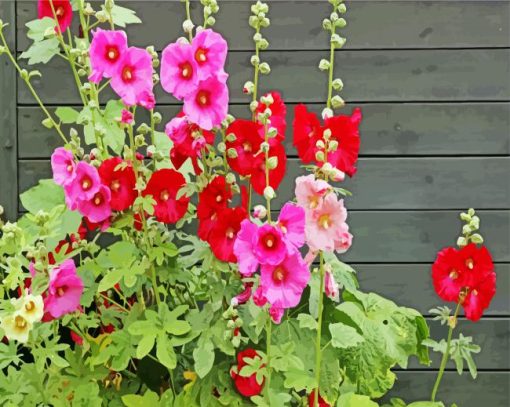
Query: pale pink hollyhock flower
(64, 290)
(330, 285)
(259, 299)
(292, 224)
(243, 248)
(84, 185)
(269, 245)
(106, 51)
(126, 117)
(209, 50)
(97, 209)
(207, 106)
(324, 223)
(309, 191)
(63, 166)
(283, 284)
(179, 74)
(343, 240)
(132, 80)
(276, 314)
(310, 257)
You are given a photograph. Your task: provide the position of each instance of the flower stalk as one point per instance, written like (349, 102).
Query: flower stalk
(318, 350)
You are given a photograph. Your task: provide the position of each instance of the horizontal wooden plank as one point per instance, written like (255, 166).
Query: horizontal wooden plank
(490, 389)
(390, 183)
(408, 75)
(386, 129)
(411, 284)
(297, 24)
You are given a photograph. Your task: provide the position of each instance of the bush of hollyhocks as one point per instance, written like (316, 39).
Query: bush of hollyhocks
(156, 268)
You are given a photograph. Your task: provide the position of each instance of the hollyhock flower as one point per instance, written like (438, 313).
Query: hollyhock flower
(479, 296)
(84, 185)
(343, 240)
(446, 274)
(244, 296)
(97, 209)
(106, 51)
(179, 70)
(243, 248)
(325, 224)
(276, 314)
(63, 166)
(64, 290)
(330, 285)
(311, 400)
(30, 307)
(188, 139)
(259, 212)
(278, 114)
(247, 144)
(16, 327)
(223, 234)
(292, 224)
(119, 176)
(269, 245)
(126, 117)
(61, 9)
(283, 284)
(207, 105)
(310, 191)
(259, 299)
(247, 386)
(163, 186)
(132, 80)
(307, 130)
(214, 197)
(276, 175)
(209, 50)
(147, 99)
(77, 339)
(475, 261)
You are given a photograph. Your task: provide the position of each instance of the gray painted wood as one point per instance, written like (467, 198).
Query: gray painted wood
(297, 24)
(404, 75)
(389, 183)
(387, 129)
(8, 119)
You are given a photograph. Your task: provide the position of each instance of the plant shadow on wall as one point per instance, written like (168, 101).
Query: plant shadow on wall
(143, 275)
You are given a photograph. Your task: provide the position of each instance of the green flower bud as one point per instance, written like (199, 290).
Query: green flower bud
(157, 117)
(319, 156)
(102, 16)
(326, 134)
(326, 24)
(462, 241)
(264, 68)
(248, 87)
(337, 102)
(82, 72)
(465, 217)
(73, 133)
(88, 10)
(187, 26)
(257, 37)
(253, 21)
(232, 153)
(269, 193)
(342, 8)
(230, 178)
(264, 147)
(231, 137)
(327, 113)
(254, 60)
(475, 222)
(471, 212)
(466, 229)
(262, 118)
(477, 238)
(272, 163)
(143, 128)
(320, 144)
(333, 145)
(324, 65)
(231, 324)
(337, 84)
(263, 44)
(1, 24)
(254, 105)
(48, 123)
(210, 21)
(265, 22)
(272, 132)
(340, 23)
(1, 210)
(222, 147)
(337, 41)
(333, 17)
(267, 99)
(139, 140)
(24, 74)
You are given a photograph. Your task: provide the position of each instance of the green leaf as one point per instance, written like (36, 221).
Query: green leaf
(204, 357)
(145, 346)
(41, 52)
(344, 336)
(299, 380)
(426, 404)
(110, 279)
(344, 274)
(40, 28)
(355, 400)
(123, 16)
(150, 398)
(165, 353)
(43, 197)
(67, 114)
(307, 321)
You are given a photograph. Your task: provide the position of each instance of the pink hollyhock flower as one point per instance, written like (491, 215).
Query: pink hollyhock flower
(84, 185)
(64, 290)
(63, 166)
(269, 245)
(209, 51)
(243, 248)
(179, 71)
(292, 224)
(276, 314)
(283, 284)
(207, 106)
(132, 80)
(62, 10)
(325, 223)
(344, 239)
(330, 285)
(309, 191)
(259, 298)
(127, 117)
(106, 51)
(147, 100)
(97, 209)
(242, 297)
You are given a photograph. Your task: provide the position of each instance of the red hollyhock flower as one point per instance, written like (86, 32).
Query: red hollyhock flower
(63, 11)
(311, 400)
(276, 175)
(121, 181)
(278, 114)
(214, 197)
(247, 386)
(224, 231)
(163, 186)
(247, 144)
(307, 131)
(447, 274)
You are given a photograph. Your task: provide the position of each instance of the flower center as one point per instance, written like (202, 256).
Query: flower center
(279, 274)
(474, 292)
(86, 183)
(230, 233)
(219, 198)
(269, 241)
(98, 199)
(313, 201)
(29, 306)
(60, 291)
(186, 70)
(246, 146)
(59, 11)
(453, 274)
(115, 185)
(112, 53)
(127, 74)
(203, 98)
(164, 195)
(324, 221)
(20, 322)
(470, 264)
(201, 55)
(69, 168)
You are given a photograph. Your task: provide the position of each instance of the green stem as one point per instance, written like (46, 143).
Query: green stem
(318, 352)
(188, 17)
(268, 354)
(268, 200)
(331, 68)
(256, 75)
(155, 284)
(113, 302)
(153, 136)
(446, 354)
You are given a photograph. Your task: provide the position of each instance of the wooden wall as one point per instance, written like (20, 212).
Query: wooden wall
(432, 79)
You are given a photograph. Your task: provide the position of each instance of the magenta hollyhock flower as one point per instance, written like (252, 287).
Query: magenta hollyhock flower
(179, 71)
(292, 224)
(147, 99)
(126, 117)
(325, 224)
(276, 314)
(283, 284)
(97, 209)
(209, 50)
(243, 248)
(132, 80)
(309, 191)
(259, 299)
(84, 185)
(64, 290)
(106, 51)
(244, 296)
(63, 166)
(207, 106)
(269, 245)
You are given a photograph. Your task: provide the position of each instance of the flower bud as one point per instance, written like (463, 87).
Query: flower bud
(231, 137)
(333, 17)
(253, 21)
(272, 132)
(263, 44)
(248, 87)
(1, 210)
(267, 112)
(262, 118)
(88, 10)
(337, 84)
(188, 26)
(337, 102)
(48, 123)
(254, 105)
(324, 65)
(272, 163)
(333, 146)
(327, 168)
(340, 23)
(471, 212)
(337, 41)
(466, 229)
(326, 134)
(210, 20)
(231, 324)
(257, 37)
(462, 241)
(320, 144)
(102, 16)
(477, 238)
(264, 68)
(342, 9)
(265, 22)
(269, 193)
(319, 156)
(475, 222)
(327, 113)
(232, 153)
(264, 147)
(337, 175)
(326, 24)
(254, 60)
(73, 133)
(236, 341)
(230, 178)
(267, 99)
(221, 147)
(259, 212)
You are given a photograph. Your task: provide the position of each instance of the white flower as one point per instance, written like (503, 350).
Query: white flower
(31, 307)
(16, 327)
